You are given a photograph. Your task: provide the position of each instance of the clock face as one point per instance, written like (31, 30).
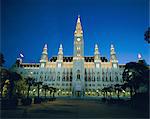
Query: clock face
(78, 39)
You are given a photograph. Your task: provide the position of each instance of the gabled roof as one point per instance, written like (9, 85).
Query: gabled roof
(70, 58)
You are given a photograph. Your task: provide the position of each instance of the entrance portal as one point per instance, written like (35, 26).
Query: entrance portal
(78, 93)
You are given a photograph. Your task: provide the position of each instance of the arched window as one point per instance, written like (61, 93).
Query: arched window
(78, 74)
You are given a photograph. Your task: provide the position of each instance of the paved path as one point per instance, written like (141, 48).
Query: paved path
(73, 109)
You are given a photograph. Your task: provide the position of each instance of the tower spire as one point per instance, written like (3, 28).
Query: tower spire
(44, 56)
(60, 53)
(78, 30)
(113, 57)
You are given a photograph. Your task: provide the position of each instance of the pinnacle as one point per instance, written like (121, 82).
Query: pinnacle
(45, 46)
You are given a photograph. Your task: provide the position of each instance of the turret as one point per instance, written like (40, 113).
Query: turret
(113, 57)
(60, 56)
(44, 57)
(97, 57)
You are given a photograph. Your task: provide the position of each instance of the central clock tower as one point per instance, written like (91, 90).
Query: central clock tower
(78, 83)
(78, 40)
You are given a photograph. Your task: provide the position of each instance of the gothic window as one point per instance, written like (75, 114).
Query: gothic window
(93, 77)
(78, 74)
(116, 78)
(89, 78)
(71, 78)
(58, 76)
(106, 78)
(102, 78)
(98, 76)
(67, 77)
(116, 73)
(85, 78)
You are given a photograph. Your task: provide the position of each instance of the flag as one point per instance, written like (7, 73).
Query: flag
(21, 55)
(139, 56)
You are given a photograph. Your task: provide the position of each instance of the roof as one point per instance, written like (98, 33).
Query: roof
(70, 58)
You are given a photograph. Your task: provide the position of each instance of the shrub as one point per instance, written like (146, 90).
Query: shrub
(141, 100)
(9, 103)
(37, 100)
(52, 99)
(26, 101)
(104, 100)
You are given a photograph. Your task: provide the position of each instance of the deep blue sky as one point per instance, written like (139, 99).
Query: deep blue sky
(28, 24)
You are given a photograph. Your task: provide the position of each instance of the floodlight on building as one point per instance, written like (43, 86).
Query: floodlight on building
(139, 56)
(21, 55)
(123, 91)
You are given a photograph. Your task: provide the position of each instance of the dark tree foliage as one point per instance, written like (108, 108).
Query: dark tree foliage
(30, 81)
(118, 88)
(147, 35)
(38, 83)
(136, 74)
(2, 61)
(45, 87)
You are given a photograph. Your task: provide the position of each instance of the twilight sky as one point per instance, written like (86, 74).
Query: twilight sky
(26, 25)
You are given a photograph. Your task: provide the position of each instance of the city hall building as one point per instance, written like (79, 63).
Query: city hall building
(77, 75)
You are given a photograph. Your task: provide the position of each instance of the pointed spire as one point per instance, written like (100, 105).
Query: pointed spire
(112, 49)
(96, 46)
(60, 53)
(44, 56)
(96, 53)
(113, 57)
(96, 49)
(45, 49)
(61, 46)
(78, 21)
(78, 30)
(112, 46)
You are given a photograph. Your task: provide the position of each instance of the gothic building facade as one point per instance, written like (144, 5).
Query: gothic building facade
(78, 75)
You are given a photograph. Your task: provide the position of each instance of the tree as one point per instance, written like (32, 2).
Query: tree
(4, 75)
(147, 35)
(109, 89)
(30, 82)
(45, 87)
(38, 86)
(118, 89)
(135, 74)
(105, 90)
(51, 90)
(17, 83)
(20, 86)
(2, 61)
(54, 91)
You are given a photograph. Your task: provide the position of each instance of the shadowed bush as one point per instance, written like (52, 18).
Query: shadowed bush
(103, 100)
(141, 101)
(52, 99)
(37, 100)
(9, 103)
(26, 101)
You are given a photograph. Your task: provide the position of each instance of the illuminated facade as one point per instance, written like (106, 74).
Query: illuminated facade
(78, 75)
